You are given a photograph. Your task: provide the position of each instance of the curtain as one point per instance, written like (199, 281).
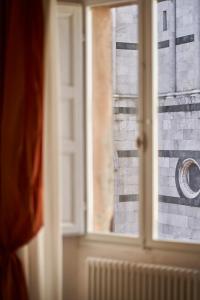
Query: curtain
(42, 257)
(21, 130)
(44, 263)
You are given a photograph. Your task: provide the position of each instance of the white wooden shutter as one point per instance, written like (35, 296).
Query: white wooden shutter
(71, 131)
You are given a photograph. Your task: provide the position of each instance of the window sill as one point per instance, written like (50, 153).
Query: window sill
(130, 241)
(115, 239)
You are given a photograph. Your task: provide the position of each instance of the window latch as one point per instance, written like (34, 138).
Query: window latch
(141, 142)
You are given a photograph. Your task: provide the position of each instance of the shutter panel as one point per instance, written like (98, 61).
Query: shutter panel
(71, 126)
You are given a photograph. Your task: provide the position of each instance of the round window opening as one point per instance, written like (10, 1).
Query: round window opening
(188, 178)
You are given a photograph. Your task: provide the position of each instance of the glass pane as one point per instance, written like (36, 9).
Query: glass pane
(115, 128)
(178, 214)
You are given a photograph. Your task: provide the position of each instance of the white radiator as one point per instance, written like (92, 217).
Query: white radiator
(120, 280)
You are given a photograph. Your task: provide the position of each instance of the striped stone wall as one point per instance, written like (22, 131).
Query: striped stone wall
(178, 114)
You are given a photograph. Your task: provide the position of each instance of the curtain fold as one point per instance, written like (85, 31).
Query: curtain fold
(43, 256)
(21, 130)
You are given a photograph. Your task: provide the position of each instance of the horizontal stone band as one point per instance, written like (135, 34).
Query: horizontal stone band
(163, 199)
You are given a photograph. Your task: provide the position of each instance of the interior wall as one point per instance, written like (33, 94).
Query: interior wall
(70, 268)
(102, 118)
(76, 251)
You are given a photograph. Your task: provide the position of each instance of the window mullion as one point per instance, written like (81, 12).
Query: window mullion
(150, 122)
(142, 117)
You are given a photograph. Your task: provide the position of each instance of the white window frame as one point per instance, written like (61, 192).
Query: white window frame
(148, 127)
(104, 237)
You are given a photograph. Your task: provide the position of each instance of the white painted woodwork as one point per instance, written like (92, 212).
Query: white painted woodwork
(71, 126)
(110, 279)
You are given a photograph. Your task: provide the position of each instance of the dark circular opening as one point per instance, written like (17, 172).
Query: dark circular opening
(193, 177)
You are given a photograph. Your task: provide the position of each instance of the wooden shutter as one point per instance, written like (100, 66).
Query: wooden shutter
(71, 111)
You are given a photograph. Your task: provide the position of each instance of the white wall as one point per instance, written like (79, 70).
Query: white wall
(76, 250)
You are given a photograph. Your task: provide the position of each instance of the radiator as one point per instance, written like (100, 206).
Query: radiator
(121, 280)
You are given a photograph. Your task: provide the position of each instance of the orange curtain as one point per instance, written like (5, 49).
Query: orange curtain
(21, 122)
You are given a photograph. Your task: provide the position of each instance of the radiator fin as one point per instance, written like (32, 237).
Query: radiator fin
(121, 280)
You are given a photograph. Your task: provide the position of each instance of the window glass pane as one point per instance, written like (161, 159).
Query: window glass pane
(164, 20)
(178, 210)
(115, 128)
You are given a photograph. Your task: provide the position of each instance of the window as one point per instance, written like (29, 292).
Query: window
(178, 210)
(161, 219)
(187, 177)
(142, 126)
(115, 156)
(164, 20)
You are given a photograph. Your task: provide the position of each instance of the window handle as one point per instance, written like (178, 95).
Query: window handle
(141, 142)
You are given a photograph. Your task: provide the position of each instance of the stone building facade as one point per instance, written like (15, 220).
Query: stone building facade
(178, 215)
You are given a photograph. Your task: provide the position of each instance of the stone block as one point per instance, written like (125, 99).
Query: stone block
(194, 223)
(173, 220)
